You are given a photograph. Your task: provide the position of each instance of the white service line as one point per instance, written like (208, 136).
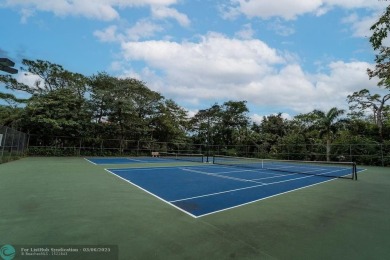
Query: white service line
(154, 195)
(218, 176)
(251, 187)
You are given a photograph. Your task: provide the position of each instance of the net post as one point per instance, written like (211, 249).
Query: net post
(354, 177)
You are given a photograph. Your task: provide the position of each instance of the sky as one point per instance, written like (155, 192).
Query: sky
(284, 56)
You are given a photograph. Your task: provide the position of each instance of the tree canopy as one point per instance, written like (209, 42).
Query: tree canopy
(101, 107)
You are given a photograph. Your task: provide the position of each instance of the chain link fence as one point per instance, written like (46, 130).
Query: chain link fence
(13, 144)
(364, 154)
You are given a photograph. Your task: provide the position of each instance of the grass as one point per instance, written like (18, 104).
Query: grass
(68, 201)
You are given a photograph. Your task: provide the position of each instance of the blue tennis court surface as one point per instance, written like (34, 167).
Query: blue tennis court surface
(202, 190)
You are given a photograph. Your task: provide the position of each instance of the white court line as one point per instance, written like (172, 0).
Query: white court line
(144, 169)
(219, 176)
(251, 187)
(116, 158)
(216, 173)
(154, 195)
(236, 206)
(278, 176)
(134, 160)
(294, 173)
(250, 202)
(290, 173)
(186, 212)
(263, 171)
(89, 161)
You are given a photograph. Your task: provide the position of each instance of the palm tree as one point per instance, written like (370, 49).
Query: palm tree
(328, 124)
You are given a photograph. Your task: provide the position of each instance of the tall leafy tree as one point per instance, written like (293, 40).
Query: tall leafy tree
(125, 104)
(11, 114)
(101, 95)
(328, 124)
(363, 100)
(234, 119)
(380, 31)
(205, 125)
(50, 77)
(271, 129)
(60, 112)
(171, 122)
(147, 104)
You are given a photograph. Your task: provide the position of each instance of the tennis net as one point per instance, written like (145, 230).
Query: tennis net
(346, 170)
(182, 156)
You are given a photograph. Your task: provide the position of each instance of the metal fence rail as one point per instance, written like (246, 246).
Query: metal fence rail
(13, 144)
(367, 154)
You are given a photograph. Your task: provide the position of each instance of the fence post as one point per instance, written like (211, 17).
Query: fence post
(27, 142)
(350, 153)
(3, 147)
(80, 146)
(12, 146)
(382, 157)
(22, 144)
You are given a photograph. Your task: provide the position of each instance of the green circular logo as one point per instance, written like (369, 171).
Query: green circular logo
(7, 252)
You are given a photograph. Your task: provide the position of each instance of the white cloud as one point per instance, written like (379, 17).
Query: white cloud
(143, 29)
(214, 58)
(140, 30)
(25, 14)
(246, 32)
(280, 28)
(102, 10)
(107, 35)
(162, 12)
(221, 68)
(352, 4)
(98, 9)
(360, 26)
(259, 118)
(289, 10)
(282, 8)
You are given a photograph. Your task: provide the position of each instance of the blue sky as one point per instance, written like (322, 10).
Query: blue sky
(288, 56)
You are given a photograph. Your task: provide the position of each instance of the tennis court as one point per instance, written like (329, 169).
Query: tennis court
(163, 157)
(71, 201)
(100, 161)
(227, 183)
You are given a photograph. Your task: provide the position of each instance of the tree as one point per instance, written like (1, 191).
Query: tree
(10, 116)
(380, 31)
(205, 125)
(225, 124)
(362, 100)
(127, 105)
(171, 122)
(234, 119)
(274, 124)
(11, 99)
(328, 124)
(100, 96)
(271, 130)
(57, 113)
(50, 77)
